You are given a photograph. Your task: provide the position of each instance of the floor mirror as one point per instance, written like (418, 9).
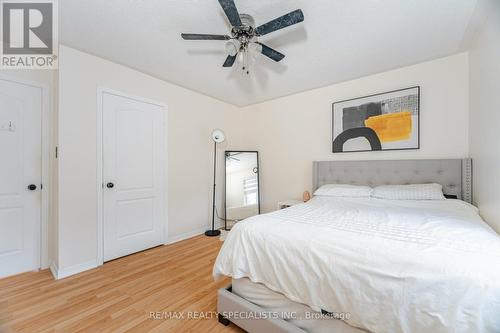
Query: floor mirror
(242, 194)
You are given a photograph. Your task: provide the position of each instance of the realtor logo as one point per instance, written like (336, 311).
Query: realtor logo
(29, 34)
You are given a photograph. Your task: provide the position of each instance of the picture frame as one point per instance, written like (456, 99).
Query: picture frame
(379, 122)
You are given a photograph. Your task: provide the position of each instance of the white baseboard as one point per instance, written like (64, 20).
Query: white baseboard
(186, 235)
(75, 269)
(53, 269)
(72, 270)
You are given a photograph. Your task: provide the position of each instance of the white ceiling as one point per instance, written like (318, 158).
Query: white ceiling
(338, 41)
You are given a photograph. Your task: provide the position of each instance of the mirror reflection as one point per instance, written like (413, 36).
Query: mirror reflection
(242, 186)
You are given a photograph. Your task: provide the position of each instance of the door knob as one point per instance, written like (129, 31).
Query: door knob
(32, 187)
(110, 185)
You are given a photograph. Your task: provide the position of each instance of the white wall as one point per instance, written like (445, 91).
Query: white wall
(292, 132)
(191, 117)
(485, 114)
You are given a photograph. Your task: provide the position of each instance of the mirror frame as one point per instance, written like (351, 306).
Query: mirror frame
(225, 184)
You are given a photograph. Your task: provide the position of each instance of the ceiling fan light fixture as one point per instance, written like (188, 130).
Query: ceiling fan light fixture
(255, 49)
(232, 47)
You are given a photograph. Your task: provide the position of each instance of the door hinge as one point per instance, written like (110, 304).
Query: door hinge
(57, 151)
(41, 186)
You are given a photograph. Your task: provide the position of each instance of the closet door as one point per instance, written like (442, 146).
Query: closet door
(133, 173)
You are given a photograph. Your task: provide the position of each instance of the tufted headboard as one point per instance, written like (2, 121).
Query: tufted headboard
(454, 174)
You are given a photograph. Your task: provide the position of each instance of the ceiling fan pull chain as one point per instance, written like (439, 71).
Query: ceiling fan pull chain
(249, 60)
(245, 59)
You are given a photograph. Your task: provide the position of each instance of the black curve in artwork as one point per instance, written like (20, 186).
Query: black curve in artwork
(358, 132)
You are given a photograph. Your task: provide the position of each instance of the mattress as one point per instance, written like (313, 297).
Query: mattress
(395, 266)
(297, 314)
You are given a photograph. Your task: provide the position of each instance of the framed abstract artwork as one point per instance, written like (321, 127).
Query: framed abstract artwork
(387, 121)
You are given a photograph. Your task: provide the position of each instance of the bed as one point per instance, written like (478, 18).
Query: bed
(365, 264)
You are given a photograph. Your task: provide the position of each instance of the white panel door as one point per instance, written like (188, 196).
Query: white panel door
(20, 167)
(133, 164)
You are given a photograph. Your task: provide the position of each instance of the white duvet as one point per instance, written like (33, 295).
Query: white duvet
(395, 266)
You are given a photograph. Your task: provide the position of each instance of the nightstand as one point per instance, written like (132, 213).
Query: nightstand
(288, 203)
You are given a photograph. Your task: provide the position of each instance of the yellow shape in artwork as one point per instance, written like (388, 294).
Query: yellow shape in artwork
(391, 127)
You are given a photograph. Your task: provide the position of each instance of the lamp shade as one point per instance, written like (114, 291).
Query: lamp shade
(218, 136)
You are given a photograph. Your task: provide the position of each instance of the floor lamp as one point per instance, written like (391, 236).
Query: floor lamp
(218, 136)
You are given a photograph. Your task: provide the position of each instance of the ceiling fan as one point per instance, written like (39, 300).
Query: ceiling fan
(244, 34)
(230, 156)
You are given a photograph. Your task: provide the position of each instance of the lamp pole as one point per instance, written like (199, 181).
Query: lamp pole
(216, 137)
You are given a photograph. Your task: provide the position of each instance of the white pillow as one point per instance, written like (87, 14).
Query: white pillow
(344, 190)
(409, 192)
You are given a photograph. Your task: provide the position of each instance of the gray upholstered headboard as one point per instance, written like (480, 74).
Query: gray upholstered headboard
(454, 174)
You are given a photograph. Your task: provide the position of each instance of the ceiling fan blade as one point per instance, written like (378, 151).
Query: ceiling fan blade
(204, 37)
(271, 53)
(231, 12)
(281, 22)
(229, 61)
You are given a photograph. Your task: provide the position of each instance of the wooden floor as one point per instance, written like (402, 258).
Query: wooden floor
(120, 295)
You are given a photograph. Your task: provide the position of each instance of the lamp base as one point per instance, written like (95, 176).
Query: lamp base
(212, 233)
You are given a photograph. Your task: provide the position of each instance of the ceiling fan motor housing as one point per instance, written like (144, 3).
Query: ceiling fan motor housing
(246, 32)
(247, 20)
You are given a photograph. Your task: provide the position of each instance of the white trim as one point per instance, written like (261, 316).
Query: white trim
(99, 181)
(45, 176)
(102, 90)
(186, 235)
(53, 269)
(46, 191)
(72, 270)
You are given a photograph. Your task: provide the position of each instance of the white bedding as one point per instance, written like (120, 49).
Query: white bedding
(395, 266)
